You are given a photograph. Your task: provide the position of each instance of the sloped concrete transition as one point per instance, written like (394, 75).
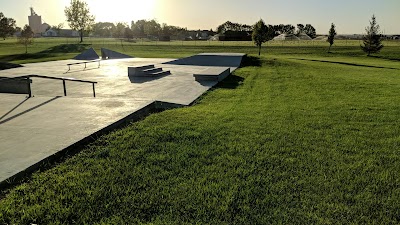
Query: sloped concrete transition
(89, 54)
(44, 127)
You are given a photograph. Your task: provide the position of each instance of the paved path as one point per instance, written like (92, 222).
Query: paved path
(32, 129)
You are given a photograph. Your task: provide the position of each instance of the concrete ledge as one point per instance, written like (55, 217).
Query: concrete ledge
(212, 74)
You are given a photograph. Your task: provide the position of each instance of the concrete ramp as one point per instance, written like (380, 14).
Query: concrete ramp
(232, 60)
(109, 54)
(89, 54)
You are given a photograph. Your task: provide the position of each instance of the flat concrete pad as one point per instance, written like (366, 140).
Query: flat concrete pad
(32, 129)
(232, 60)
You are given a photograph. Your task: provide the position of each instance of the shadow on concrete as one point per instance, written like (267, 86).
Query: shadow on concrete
(141, 80)
(26, 111)
(348, 64)
(208, 59)
(251, 61)
(2, 117)
(231, 82)
(85, 69)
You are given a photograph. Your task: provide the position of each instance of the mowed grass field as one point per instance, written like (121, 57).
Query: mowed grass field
(296, 136)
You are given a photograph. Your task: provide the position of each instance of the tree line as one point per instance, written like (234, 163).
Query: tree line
(372, 40)
(138, 29)
(79, 19)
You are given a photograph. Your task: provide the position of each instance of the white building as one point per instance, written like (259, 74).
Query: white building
(35, 22)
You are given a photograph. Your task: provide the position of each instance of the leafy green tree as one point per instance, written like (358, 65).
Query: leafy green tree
(138, 28)
(300, 29)
(152, 28)
(26, 37)
(229, 26)
(373, 39)
(128, 34)
(310, 31)
(79, 17)
(261, 34)
(331, 36)
(103, 29)
(119, 30)
(7, 26)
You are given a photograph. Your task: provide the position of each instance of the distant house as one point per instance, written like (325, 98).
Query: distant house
(203, 35)
(286, 37)
(61, 33)
(50, 33)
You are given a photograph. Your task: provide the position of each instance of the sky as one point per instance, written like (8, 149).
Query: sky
(349, 16)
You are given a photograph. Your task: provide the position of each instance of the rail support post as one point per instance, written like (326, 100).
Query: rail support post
(65, 88)
(94, 91)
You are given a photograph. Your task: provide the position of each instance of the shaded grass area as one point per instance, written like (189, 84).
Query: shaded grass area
(350, 64)
(282, 141)
(57, 52)
(5, 65)
(47, 49)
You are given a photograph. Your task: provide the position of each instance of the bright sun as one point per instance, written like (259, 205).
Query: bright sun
(122, 10)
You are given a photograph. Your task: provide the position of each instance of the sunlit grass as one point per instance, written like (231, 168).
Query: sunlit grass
(292, 141)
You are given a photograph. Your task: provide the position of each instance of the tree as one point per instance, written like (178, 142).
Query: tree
(261, 34)
(26, 37)
(310, 31)
(373, 38)
(7, 26)
(331, 36)
(103, 29)
(300, 29)
(152, 28)
(120, 30)
(128, 33)
(78, 17)
(229, 26)
(288, 29)
(58, 28)
(138, 28)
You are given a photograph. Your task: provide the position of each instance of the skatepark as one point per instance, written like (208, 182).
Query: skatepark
(71, 102)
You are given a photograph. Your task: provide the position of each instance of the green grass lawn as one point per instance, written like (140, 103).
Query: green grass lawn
(49, 49)
(305, 137)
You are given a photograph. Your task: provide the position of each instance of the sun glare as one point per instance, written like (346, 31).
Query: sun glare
(122, 10)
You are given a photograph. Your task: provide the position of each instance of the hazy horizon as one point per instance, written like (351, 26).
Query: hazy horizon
(350, 16)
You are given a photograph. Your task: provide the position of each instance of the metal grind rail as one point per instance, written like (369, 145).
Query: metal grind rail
(63, 79)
